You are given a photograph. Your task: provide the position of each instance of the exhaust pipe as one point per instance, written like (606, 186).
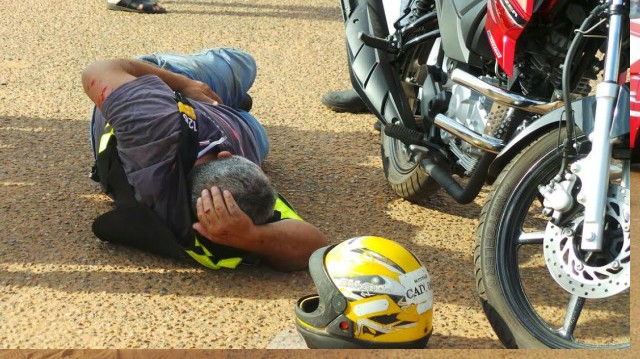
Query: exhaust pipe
(499, 95)
(486, 143)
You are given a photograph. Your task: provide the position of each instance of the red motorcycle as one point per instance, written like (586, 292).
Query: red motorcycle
(494, 92)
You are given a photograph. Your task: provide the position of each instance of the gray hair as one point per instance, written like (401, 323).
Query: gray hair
(250, 187)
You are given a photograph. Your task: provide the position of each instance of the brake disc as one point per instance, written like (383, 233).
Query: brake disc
(592, 274)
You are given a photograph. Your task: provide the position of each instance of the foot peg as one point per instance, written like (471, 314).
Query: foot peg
(405, 135)
(378, 43)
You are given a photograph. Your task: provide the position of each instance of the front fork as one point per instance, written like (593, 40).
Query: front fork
(595, 179)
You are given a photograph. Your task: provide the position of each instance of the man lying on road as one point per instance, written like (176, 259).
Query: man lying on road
(181, 160)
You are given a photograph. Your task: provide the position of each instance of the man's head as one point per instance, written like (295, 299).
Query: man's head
(249, 186)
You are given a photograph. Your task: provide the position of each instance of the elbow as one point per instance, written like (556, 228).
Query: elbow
(90, 75)
(317, 239)
(86, 78)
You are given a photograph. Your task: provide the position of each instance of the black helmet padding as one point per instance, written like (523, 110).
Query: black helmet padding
(331, 303)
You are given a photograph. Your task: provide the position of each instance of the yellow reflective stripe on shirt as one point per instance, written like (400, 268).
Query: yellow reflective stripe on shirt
(231, 263)
(104, 139)
(205, 259)
(285, 211)
(187, 110)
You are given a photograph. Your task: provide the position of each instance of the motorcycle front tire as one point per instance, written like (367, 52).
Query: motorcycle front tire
(501, 282)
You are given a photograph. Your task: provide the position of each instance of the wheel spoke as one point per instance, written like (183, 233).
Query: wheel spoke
(531, 237)
(574, 308)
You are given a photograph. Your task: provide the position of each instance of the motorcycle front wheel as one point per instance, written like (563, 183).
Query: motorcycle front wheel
(525, 305)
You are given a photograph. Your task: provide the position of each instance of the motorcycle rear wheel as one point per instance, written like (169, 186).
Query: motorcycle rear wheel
(524, 304)
(405, 175)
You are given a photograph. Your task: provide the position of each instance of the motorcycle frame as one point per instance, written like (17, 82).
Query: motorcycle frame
(373, 46)
(584, 117)
(584, 111)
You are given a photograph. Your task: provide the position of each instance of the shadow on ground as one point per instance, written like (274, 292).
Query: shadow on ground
(44, 183)
(301, 12)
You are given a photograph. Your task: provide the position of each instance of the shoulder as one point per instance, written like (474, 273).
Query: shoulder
(141, 87)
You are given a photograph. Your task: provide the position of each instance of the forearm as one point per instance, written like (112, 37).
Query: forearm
(285, 245)
(119, 71)
(138, 68)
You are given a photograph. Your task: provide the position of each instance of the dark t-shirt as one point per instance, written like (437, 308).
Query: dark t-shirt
(146, 120)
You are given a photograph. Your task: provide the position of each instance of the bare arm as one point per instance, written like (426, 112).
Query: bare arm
(101, 78)
(286, 245)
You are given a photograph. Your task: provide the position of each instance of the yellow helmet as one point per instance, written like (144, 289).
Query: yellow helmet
(372, 293)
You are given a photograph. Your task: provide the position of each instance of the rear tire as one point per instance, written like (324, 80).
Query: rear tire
(405, 175)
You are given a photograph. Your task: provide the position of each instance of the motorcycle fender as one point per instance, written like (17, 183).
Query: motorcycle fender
(371, 70)
(584, 114)
(621, 118)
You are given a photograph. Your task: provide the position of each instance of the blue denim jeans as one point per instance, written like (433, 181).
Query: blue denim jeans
(229, 72)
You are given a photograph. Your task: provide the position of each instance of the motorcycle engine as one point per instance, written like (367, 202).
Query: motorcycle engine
(543, 51)
(472, 110)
